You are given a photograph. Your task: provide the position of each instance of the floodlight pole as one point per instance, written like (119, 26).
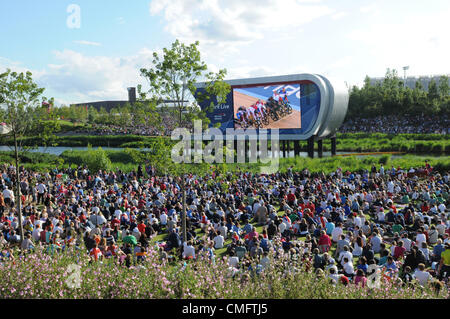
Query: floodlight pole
(405, 68)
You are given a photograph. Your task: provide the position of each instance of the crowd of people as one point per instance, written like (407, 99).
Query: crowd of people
(348, 226)
(169, 123)
(394, 124)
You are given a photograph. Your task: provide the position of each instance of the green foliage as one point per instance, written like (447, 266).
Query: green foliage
(393, 98)
(94, 159)
(19, 97)
(128, 160)
(174, 75)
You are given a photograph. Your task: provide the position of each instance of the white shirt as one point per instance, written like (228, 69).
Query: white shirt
(223, 231)
(358, 221)
(38, 222)
(336, 234)
(7, 193)
(420, 238)
(37, 234)
(344, 254)
(376, 242)
(357, 251)
(163, 219)
(381, 216)
(117, 213)
(348, 268)
(422, 277)
(406, 243)
(218, 242)
(233, 261)
(282, 227)
(41, 188)
(188, 251)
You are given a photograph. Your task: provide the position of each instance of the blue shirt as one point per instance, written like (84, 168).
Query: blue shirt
(347, 210)
(392, 266)
(363, 267)
(438, 250)
(330, 227)
(247, 228)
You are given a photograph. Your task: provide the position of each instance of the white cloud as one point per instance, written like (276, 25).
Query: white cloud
(339, 15)
(418, 41)
(80, 78)
(84, 42)
(233, 21)
(17, 66)
(229, 30)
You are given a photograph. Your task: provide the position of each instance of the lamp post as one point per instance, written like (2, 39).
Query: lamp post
(405, 68)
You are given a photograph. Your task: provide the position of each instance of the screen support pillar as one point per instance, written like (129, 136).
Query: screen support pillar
(320, 148)
(333, 146)
(289, 148)
(296, 148)
(311, 147)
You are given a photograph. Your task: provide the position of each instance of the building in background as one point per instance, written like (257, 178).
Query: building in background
(108, 105)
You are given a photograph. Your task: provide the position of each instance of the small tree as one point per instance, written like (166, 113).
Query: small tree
(19, 96)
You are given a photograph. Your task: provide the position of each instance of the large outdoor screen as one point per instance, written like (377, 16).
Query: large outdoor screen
(269, 106)
(289, 104)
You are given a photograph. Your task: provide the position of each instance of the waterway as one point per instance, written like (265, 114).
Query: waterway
(56, 150)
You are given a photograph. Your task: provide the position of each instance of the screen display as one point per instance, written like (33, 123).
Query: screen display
(268, 107)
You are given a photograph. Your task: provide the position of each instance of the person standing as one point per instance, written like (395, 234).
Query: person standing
(41, 190)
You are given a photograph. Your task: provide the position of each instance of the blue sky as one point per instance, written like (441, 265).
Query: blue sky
(341, 39)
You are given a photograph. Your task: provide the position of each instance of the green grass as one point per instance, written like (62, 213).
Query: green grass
(124, 161)
(358, 142)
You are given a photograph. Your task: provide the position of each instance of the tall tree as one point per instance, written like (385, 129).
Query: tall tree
(444, 87)
(173, 77)
(19, 96)
(174, 74)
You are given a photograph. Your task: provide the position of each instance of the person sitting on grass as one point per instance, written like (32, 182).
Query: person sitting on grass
(360, 278)
(348, 269)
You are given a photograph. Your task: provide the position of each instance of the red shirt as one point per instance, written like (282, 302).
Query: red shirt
(115, 222)
(324, 240)
(312, 208)
(112, 249)
(291, 197)
(399, 252)
(96, 252)
(141, 228)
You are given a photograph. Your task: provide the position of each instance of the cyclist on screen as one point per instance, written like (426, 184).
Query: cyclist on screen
(261, 107)
(241, 115)
(257, 111)
(283, 95)
(251, 113)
